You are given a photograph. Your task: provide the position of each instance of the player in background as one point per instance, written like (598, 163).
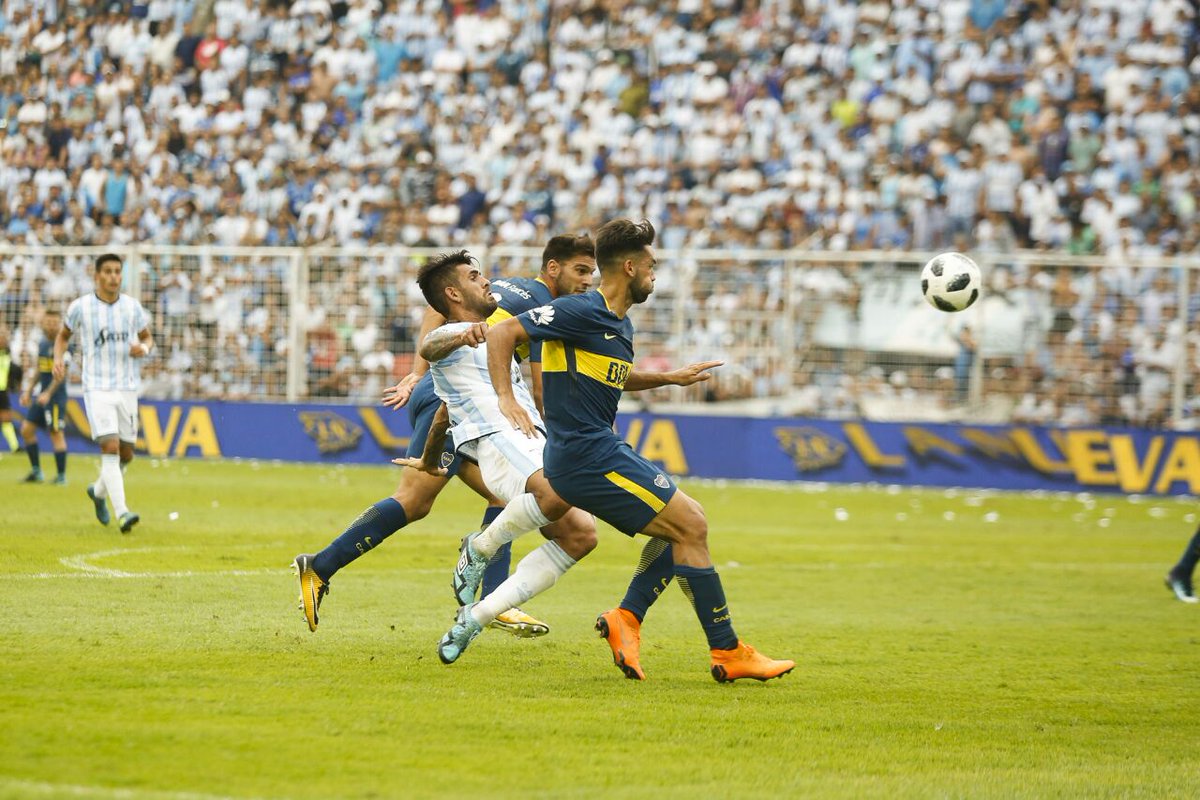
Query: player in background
(568, 263)
(587, 360)
(510, 463)
(47, 406)
(114, 336)
(10, 377)
(1179, 579)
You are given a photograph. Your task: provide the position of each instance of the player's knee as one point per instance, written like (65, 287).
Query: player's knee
(692, 527)
(577, 540)
(415, 508)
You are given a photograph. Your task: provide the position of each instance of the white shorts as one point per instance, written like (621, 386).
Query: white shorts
(506, 460)
(112, 414)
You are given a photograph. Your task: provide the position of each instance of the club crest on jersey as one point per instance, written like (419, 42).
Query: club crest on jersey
(332, 432)
(661, 481)
(542, 315)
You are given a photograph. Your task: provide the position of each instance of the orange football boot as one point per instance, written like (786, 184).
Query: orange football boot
(744, 661)
(624, 634)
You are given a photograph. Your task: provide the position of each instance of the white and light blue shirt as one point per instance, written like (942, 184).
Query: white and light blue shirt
(105, 332)
(461, 380)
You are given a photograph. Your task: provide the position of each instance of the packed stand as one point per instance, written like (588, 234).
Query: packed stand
(980, 125)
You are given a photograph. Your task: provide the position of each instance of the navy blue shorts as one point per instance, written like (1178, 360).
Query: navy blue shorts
(623, 489)
(50, 417)
(421, 407)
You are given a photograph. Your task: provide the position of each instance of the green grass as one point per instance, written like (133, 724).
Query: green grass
(1033, 655)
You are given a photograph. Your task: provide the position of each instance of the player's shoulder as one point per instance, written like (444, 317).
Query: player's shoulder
(519, 294)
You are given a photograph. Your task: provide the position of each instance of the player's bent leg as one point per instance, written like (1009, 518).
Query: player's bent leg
(411, 501)
(535, 573)
(682, 522)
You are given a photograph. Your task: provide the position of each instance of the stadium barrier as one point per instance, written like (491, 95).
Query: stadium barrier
(781, 449)
(1054, 339)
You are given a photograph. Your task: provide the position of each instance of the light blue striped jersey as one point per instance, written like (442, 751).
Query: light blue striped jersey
(461, 380)
(105, 332)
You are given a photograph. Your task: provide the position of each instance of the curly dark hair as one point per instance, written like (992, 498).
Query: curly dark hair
(619, 238)
(439, 273)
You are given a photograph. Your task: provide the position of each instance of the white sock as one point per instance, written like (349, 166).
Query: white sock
(520, 516)
(98, 488)
(536, 573)
(114, 482)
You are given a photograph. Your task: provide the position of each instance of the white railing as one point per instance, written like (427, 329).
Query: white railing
(1059, 339)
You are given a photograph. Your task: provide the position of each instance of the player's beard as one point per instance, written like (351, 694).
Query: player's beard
(640, 293)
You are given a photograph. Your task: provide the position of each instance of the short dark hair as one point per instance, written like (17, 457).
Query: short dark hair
(566, 245)
(104, 258)
(621, 237)
(437, 274)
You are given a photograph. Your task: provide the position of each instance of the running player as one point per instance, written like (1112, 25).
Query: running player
(587, 359)
(114, 336)
(510, 463)
(568, 263)
(47, 409)
(1179, 579)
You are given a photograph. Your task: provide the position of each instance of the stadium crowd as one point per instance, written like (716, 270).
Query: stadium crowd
(977, 125)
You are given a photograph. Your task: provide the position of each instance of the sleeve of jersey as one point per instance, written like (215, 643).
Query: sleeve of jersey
(562, 320)
(72, 318)
(143, 318)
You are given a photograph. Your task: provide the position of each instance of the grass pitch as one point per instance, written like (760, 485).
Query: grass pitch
(961, 644)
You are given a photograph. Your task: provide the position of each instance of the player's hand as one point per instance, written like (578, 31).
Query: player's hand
(139, 350)
(397, 396)
(60, 369)
(26, 397)
(475, 335)
(43, 399)
(693, 373)
(517, 415)
(421, 465)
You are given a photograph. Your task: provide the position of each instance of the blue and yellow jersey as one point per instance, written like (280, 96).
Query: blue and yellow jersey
(516, 296)
(45, 366)
(587, 353)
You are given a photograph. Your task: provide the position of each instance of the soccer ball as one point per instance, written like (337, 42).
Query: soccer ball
(950, 282)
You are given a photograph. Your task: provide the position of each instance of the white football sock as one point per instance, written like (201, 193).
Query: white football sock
(98, 487)
(520, 516)
(536, 573)
(114, 482)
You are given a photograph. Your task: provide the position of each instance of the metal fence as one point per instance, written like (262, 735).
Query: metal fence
(1053, 339)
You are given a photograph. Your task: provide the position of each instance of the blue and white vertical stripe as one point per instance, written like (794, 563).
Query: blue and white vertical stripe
(105, 332)
(461, 380)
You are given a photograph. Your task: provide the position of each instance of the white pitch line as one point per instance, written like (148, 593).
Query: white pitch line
(80, 562)
(39, 788)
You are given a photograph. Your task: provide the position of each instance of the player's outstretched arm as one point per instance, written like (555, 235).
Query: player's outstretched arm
(395, 397)
(502, 341)
(684, 376)
(60, 352)
(442, 342)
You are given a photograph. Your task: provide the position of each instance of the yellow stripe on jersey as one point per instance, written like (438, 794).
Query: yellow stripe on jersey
(45, 364)
(637, 491)
(498, 316)
(605, 369)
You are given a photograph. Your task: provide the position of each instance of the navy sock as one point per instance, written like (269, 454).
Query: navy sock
(34, 457)
(653, 575)
(702, 585)
(497, 569)
(60, 461)
(1187, 564)
(372, 526)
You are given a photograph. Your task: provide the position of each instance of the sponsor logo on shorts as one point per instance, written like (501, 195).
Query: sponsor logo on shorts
(447, 460)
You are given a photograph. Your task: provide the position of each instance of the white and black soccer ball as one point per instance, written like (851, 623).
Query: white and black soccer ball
(950, 282)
